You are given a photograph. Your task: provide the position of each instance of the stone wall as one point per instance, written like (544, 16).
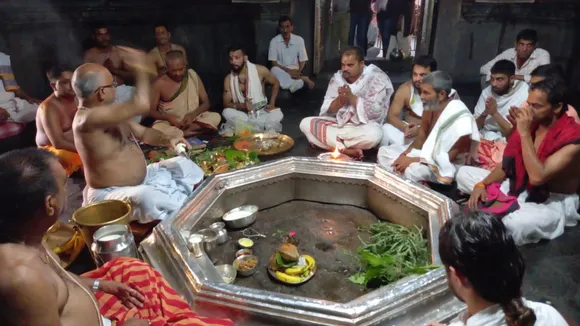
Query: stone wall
(469, 36)
(38, 32)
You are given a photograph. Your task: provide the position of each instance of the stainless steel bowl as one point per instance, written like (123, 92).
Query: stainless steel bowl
(249, 212)
(228, 272)
(244, 252)
(242, 258)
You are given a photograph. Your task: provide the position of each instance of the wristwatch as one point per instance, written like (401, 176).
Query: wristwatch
(96, 284)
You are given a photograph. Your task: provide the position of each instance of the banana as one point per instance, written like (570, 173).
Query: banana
(310, 262)
(288, 278)
(296, 270)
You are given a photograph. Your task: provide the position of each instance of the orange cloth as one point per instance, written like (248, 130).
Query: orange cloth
(70, 161)
(162, 307)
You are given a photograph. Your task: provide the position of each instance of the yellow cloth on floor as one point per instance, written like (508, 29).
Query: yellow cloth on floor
(185, 100)
(70, 161)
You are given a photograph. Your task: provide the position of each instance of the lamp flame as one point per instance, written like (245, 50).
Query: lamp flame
(335, 154)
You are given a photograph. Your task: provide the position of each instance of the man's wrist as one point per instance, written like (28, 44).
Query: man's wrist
(480, 184)
(96, 286)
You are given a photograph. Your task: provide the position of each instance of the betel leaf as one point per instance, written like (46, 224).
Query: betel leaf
(372, 259)
(282, 263)
(358, 278)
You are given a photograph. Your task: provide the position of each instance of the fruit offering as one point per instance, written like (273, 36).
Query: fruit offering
(288, 266)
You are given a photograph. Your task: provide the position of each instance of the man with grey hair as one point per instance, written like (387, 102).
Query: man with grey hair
(105, 137)
(448, 136)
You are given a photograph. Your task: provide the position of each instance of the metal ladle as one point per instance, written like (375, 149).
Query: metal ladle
(252, 233)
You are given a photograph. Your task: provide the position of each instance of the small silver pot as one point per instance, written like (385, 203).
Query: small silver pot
(209, 237)
(113, 241)
(222, 233)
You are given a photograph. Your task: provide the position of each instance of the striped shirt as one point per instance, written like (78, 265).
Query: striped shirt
(8, 82)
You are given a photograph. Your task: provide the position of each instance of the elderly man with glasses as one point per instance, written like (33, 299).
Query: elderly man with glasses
(106, 139)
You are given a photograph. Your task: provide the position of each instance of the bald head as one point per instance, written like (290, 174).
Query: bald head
(174, 55)
(88, 78)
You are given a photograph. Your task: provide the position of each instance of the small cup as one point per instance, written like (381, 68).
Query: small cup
(195, 243)
(246, 243)
(244, 252)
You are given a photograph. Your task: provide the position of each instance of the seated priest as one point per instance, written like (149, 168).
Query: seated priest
(492, 110)
(106, 139)
(179, 102)
(354, 107)
(553, 71)
(36, 290)
(54, 120)
(16, 107)
(448, 136)
(404, 115)
(525, 55)
(287, 54)
(534, 191)
(244, 92)
(163, 45)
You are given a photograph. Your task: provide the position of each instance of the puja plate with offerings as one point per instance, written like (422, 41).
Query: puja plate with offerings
(265, 143)
(288, 266)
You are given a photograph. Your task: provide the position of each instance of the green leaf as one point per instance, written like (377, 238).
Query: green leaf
(282, 263)
(358, 278)
(371, 258)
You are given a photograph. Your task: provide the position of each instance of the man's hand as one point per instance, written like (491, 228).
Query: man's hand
(346, 92)
(412, 130)
(137, 322)
(270, 108)
(402, 163)
(294, 73)
(179, 140)
(137, 60)
(490, 106)
(188, 120)
(479, 194)
(524, 120)
(128, 296)
(174, 122)
(512, 115)
(4, 115)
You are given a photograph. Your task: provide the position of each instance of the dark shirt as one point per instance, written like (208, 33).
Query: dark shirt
(360, 6)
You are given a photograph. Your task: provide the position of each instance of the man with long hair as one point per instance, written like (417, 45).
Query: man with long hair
(485, 270)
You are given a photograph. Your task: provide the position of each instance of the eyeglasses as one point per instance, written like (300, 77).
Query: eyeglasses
(113, 85)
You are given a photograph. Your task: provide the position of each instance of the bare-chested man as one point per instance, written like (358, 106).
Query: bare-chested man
(164, 45)
(114, 165)
(404, 116)
(54, 120)
(244, 92)
(448, 136)
(112, 57)
(36, 290)
(179, 101)
(539, 168)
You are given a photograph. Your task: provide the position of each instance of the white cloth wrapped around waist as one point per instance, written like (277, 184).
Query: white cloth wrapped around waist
(166, 187)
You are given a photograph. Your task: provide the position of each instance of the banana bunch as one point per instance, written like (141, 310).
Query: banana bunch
(297, 274)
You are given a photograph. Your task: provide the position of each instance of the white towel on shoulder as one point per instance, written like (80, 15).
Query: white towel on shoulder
(254, 88)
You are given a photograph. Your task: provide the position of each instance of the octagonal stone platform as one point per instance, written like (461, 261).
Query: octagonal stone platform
(414, 300)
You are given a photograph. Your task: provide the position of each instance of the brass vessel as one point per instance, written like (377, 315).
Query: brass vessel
(96, 215)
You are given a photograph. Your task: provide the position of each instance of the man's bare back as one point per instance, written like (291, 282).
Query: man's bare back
(111, 156)
(63, 111)
(36, 292)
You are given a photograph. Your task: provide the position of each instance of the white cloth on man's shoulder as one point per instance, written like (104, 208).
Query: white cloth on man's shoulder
(373, 90)
(517, 95)
(531, 222)
(546, 315)
(166, 187)
(391, 134)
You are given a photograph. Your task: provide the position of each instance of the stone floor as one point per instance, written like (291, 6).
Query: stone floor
(553, 266)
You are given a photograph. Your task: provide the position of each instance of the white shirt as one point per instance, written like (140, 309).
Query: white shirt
(538, 58)
(493, 316)
(289, 55)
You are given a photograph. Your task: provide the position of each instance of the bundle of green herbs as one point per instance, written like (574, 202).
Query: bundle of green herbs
(392, 253)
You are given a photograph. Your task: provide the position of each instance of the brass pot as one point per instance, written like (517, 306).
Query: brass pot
(92, 217)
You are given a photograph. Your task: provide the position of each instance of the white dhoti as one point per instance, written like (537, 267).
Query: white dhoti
(20, 110)
(125, 94)
(266, 120)
(166, 187)
(415, 172)
(394, 136)
(286, 81)
(532, 222)
(323, 132)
